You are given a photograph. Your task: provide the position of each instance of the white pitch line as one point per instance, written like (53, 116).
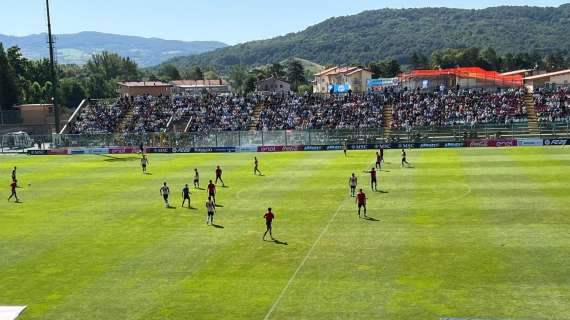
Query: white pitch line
(303, 262)
(284, 290)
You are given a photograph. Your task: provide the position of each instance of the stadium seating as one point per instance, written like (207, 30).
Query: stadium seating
(409, 111)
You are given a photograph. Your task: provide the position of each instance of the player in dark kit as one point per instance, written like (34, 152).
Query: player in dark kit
(378, 161)
(373, 179)
(13, 187)
(361, 201)
(196, 179)
(344, 147)
(269, 216)
(212, 191)
(14, 174)
(219, 176)
(144, 163)
(256, 167)
(382, 154)
(404, 160)
(186, 196)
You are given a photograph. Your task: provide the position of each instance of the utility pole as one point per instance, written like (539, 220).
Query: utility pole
(52, 70)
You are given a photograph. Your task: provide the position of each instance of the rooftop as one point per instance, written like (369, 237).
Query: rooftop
(547, 75)
(144, 84)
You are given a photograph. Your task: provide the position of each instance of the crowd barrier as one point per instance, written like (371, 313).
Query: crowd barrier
(487, 143)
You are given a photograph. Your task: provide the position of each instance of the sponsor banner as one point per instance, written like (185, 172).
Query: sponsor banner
(529, 142)
(556, 142)
(280, 148)
(58, 152)
(76, 151)
(502, 143)
(339, 88)
(452, 144)
(475, 143)
(158, 150)
(246, 149)
(123, 150)
(323, 148)
(379, 84)
(95, 151)
(37, 152)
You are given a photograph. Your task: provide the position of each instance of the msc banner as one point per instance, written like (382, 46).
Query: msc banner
(158, 150)
(37, 152)
(556, 142)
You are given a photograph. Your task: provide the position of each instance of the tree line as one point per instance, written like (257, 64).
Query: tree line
(27, 81)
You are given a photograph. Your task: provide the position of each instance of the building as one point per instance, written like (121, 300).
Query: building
(554, 79)
(199, 86)
(273, 85)
(37, 119)
(465, 77)
(342, 79)
(153, 88)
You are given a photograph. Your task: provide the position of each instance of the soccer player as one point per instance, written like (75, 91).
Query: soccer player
(344, 147)
(196, 179)
(256, 167)
(353, 182)
(373, 179)
(404, 161)
(210, 209)
(186, 196)
(144, 163)
(13, 186)
(378, 161)
(14, 174)
(212, 191)
(269, 216)
(219, 176)
(361, 201)
(165, 191)
(382, 154)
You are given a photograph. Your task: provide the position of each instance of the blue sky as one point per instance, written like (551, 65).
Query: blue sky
(223, 20)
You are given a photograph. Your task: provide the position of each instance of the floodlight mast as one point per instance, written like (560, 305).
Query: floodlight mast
(52, 71)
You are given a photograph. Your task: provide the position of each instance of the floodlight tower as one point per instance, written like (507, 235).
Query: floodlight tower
(52, 71)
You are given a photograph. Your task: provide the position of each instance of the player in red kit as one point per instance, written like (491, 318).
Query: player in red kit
(378, 161)
(361, 201)
(373, 179)
(269, 216)
(13, 187)
(212, 191)
(219, 176)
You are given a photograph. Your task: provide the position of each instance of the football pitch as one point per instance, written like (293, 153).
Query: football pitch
(465, 233)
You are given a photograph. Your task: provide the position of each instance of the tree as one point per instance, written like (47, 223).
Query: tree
(9, 90)
(419, 61)
(170, 72)
(295, 74)
(491, 60)
(195, 74)
(211, 75)
(250, 83)
(72, 92)
(305, 88)
(238, 76)
(385, 69)
(277, 70)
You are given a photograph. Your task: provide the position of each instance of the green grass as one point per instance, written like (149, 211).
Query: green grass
(480, 233)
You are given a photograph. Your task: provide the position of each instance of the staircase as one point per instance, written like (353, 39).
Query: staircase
(532, 116)
(388, 109)
(122, 127)
(256, 115)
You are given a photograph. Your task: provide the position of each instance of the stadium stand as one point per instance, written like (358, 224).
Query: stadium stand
(552, 105)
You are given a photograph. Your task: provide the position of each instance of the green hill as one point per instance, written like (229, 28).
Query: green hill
(397, 33)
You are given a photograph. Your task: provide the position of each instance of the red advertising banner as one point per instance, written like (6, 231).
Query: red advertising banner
(122, 150)
(502, 143)
(280, 148)
(58, 152)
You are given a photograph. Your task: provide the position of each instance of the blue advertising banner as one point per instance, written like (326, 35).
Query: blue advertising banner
(339, 88)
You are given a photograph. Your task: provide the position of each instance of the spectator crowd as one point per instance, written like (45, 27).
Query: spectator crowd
(411, 110)
(552, 105)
